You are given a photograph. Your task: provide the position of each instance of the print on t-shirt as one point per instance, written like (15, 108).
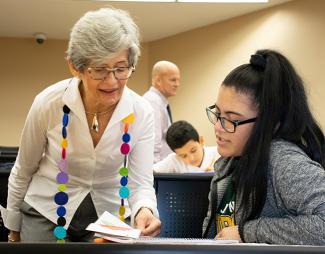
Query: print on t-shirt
(225, 212)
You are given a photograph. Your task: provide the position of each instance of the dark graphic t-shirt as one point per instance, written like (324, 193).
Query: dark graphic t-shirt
(225, 211)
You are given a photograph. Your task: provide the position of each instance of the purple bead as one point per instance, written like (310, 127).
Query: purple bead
(62, 177)
(62, 165)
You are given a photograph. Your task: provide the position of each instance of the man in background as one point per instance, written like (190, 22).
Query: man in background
(165, 81)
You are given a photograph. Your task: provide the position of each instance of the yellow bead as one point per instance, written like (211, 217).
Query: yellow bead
(122, 210)
(62, 187)
(64, 143)
(129, 118)
(122, 218)
(60, 241)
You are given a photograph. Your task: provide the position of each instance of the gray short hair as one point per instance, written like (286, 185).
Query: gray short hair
(100, 34)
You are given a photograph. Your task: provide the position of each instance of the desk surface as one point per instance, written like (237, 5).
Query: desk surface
(90, 248)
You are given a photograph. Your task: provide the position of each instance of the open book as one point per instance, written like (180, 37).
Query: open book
(112, 229)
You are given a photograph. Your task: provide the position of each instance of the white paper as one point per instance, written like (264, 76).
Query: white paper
(114, 231)
(109, 219)
(110, 226)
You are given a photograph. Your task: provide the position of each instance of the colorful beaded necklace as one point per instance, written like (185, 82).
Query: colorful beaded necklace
(61, 198)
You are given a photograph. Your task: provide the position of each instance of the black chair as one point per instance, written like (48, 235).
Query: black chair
(182, 201)
(8, 154)
(4, 174)
(7, 159)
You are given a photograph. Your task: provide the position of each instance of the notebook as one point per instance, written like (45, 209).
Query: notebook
(175, 241)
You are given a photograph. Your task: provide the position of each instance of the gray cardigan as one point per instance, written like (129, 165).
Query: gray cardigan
(294, 211)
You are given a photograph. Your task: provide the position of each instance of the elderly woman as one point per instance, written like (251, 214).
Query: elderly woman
(87, 144)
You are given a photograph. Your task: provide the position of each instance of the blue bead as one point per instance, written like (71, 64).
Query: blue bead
(124, 192)
(61, 211)
(65, 119)
(64, 132)
(61, 198)
(124, 181)
(60, 232)
(126, 137)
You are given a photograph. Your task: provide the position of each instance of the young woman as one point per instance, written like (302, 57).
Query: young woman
(269, 186)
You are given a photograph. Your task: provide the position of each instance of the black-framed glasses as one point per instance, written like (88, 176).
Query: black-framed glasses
(227, 125)
(120, 73)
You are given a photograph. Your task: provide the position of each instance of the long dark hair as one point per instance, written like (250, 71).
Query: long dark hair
(279, 94)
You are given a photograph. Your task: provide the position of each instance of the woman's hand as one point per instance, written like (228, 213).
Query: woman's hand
(147, 223)
(229, 233)
(14, 236)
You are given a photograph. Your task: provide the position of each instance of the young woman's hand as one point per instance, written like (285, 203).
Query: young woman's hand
(14, 236)
(229, 233)
(147, 223)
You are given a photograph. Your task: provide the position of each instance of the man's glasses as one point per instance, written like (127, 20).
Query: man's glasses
(227, 125)
(120, 73)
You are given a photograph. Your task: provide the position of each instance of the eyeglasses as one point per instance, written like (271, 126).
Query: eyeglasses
(227, 125)
(120, 73)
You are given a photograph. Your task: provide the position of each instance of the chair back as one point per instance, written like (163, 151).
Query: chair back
(182, 201)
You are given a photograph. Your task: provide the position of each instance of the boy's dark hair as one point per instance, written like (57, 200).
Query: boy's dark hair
(179, 133)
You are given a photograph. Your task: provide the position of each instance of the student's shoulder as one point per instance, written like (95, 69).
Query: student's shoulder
(292, 172)
(172, 158)
(170, 164)
(211, 152)
(288, 160)
(211, 149)
(282, 149)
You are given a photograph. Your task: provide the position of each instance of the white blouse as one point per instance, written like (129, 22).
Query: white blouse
(91, 170)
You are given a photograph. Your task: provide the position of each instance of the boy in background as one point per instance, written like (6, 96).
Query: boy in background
(190, 155)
